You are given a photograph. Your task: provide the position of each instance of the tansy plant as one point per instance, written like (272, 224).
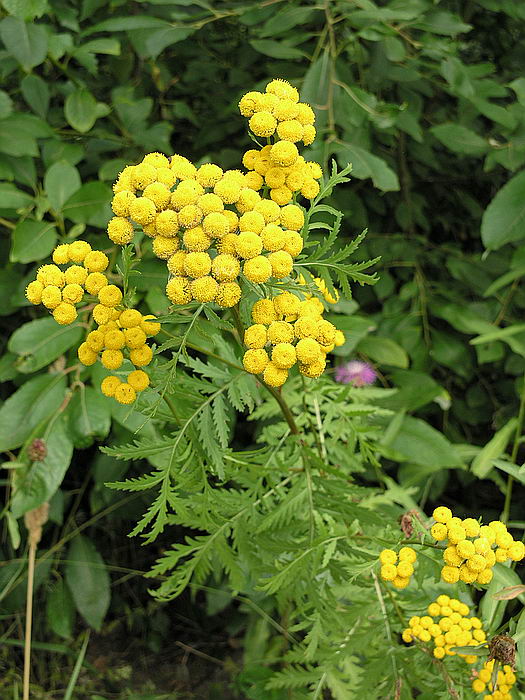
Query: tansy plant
(258, 275)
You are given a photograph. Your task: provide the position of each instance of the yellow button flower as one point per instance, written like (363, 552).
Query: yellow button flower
(109, 385)
(255, 361)
(125, 394)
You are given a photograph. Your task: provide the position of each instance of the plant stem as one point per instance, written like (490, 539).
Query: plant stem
(29, 616)
(510, 480)
(284, 408)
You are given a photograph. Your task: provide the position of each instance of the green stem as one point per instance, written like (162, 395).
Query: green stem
(284, 408)
(514, 454)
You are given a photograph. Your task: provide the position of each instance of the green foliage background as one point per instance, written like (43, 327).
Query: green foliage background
(425, 99)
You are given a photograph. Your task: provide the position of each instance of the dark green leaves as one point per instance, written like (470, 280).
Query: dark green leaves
(36, 94)
(421, 444)
(504, 218)
(30, 406)
(366, 164)
(60, 183)
(89, 416)
(27, 43)
(89, 205)
(88, 581)
(275, 49)
(41, 479)
(32, 240)
(39, 342)
(81, 110)
(460, 139)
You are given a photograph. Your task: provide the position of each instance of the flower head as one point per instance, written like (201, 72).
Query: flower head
(356, 373)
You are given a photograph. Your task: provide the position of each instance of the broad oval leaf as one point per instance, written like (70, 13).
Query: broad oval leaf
(504, 218)
(81, 110)
(61, 181)
(88, 580)
(32, 240)
(32, 404)
(44, 477)
(39, 342)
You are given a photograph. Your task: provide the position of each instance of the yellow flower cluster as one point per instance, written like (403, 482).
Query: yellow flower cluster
(60, 291)
(469, 556)
(293, 331)
(120, 333)
(397, 568)
(210, 225)
(276, 114)
(505, 680)
(447, 625)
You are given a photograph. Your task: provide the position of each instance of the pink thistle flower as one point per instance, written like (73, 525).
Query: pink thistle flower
(356, 373)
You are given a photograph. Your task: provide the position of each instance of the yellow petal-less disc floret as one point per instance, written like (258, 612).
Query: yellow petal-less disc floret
(138, 380)
(197, 264)
(255, 337)
(51, 297)
(125, 394)
(263, 124)
(225, 268)
(61, 254)
(112, 359)
(50, 275)
(407, 554)
(178, 290)
(129, 318)
(86, 355)
(274, 376)
(78, 250)
(34, 292)
(258, 269)
(248, 245)
(164, 247)
(204, 289)
(228, 294)
(196, 240)
(134, 337)
(72, 293)
(141, 356)
(142, 210)
(109, 385)
(120, 230)
(110, 295)
(64, 313)
(255, 360)
(96, 261)
(287, 304)
(388, 556)
(94, 282)
(114, 340)
(292, 217)
(216, 225)
(284, 153)
(281, 263)
(284, 356)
